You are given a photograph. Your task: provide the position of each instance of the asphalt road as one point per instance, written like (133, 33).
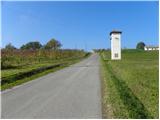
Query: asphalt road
(73, 92)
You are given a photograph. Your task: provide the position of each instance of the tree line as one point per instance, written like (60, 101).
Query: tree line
(52, 44)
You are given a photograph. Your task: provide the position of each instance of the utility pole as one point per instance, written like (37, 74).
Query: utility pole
(75, 46)
(85, 45)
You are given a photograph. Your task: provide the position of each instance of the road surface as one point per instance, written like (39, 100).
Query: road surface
(73, 92)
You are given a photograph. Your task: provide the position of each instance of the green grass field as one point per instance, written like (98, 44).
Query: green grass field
(130, 86)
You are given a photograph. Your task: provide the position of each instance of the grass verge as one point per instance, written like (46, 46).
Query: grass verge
(33, 74)
(126, 83)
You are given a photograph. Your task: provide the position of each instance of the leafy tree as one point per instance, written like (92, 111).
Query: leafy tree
(10, 47)
(53, 44)
(140, 45)
(32, 46)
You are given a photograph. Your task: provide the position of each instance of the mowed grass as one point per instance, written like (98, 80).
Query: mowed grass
(34, 76)
(130, 85)
(32, 66)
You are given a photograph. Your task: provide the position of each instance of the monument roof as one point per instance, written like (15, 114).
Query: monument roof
(115, 31)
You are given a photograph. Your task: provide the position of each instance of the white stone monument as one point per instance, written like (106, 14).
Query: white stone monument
(115, 45)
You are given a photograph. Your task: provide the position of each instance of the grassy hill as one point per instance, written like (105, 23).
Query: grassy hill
(130, 85)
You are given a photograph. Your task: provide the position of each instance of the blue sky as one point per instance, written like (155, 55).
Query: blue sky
(84, 25)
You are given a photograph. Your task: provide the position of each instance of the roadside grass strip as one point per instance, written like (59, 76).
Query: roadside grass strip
(22, 77)
(134, 106)
(125, 84)
(9, 79)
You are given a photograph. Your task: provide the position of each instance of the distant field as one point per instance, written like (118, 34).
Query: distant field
(130, 85)
(19, 66)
